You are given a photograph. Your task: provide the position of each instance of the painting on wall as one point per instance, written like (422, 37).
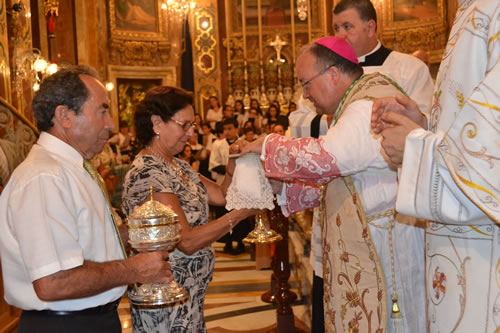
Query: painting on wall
(130, 92)
(137, 19)
(136, 15)
(131, 84)
(409, 25)
(407, 10)
(274, 13)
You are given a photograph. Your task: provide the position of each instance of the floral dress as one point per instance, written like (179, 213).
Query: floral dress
(193, 272)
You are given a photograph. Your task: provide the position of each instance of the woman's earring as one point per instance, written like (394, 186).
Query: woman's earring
(158, 135)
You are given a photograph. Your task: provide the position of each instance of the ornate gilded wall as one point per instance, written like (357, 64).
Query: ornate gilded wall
(4, 52)
(204, 26)
(260, 45)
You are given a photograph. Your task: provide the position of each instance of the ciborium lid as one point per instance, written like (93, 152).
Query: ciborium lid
(152, 213)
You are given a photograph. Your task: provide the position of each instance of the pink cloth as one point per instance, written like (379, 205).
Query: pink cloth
(303, 164)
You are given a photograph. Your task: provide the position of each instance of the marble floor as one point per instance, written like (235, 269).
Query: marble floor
(233, 301)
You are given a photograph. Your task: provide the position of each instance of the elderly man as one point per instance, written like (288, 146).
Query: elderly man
(356, 21)
(62, 258)
(372, 259)
(451, 173)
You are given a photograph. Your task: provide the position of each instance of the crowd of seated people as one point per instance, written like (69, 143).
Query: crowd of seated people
(113, 161)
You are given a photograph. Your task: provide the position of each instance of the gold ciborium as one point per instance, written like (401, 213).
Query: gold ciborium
(155, 227)
(261, 233)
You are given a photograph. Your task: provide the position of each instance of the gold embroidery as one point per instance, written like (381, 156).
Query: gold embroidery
(472, 134)
(495, 36)
(497, 270)
(476, 186)
(494, 107)
(481, 153)
(460, 98)
(479, 231)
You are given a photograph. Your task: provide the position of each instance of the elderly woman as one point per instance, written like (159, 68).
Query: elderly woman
(164, 123)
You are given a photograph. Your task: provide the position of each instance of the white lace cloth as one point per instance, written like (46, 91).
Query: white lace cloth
(249, 188)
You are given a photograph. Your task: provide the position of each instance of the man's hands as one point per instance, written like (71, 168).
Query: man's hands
(277, 185)
(394, 137)
(398, 104)
(92, 278)
(149, 267)
(394, 118)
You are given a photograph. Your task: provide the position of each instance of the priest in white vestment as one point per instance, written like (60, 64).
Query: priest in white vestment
(356, 21)
(451, 173)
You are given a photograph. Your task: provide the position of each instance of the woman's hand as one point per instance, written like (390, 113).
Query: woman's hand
(244, 213)
(230, 167)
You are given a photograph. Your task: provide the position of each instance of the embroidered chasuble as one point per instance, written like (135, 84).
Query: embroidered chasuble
(355, 275)
(354, 286)
(351, 268)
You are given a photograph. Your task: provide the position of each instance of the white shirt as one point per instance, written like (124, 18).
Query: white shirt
(53, 216)
(214, 117)
(218, 156)
(300, 120)
(409, 72)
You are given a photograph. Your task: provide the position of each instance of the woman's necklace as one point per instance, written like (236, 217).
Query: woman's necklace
(179, 171)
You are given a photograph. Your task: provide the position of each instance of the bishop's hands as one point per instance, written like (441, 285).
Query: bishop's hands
(394, 118)
(244, 147)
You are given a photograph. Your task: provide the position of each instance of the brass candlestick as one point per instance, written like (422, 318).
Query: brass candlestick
(261, 233)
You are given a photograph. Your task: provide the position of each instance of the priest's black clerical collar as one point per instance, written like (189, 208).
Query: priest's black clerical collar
(231, 142)
(376, 58)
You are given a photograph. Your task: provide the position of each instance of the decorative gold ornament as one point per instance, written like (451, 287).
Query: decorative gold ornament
(261, 233)
(155, 227)
(51, 7)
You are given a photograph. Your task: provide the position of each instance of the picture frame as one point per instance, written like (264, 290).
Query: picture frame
(130, 92)
(400, 13)
(145, 76)
(409, 25)
(275, 14)
(408, 10)
(138, 20)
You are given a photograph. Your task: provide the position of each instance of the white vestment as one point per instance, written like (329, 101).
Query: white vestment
(409, 72)
(218, 156)
(451, 175)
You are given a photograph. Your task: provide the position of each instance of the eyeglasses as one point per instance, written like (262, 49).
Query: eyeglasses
(306, 84)
(186, 125)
